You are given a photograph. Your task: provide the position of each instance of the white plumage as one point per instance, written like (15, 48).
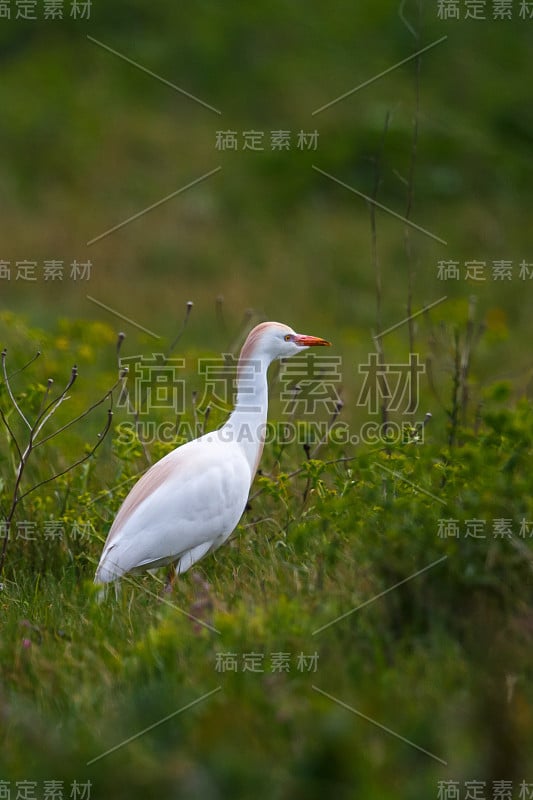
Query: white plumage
(190, 501)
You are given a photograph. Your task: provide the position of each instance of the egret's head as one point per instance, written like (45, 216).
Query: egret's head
(275, 340)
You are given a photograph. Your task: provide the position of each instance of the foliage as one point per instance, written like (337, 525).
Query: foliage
(322, 537)
(442, 514)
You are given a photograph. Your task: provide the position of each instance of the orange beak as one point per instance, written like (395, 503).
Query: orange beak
(310, 341)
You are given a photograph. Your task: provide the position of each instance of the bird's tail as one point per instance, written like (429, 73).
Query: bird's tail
(107, 571)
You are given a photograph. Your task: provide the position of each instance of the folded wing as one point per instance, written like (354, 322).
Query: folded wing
(184, 506)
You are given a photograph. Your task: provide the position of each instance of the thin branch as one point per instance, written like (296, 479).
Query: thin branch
(48, 410)
(46, 392)
(338, 408)
(80, 416)
(6, 423)
(125, 396)
(378, 339)
(249, 314)
(431, 383)
(219, 308)
(101, 437)
(466, 357)
(120, 338)
(9, 518)
(25, 366)
(8, 385)
(454, 413)
(42, 418)
(182, 329)
(413, 400)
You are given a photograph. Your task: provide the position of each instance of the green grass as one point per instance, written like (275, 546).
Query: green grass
(443, 659)
(431, 660)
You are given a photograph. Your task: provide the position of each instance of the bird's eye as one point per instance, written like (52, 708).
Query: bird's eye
(287, 337)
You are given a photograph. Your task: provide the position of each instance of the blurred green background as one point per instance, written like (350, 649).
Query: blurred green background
(87, 141)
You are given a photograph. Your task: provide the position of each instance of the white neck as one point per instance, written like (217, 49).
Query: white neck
(247, 422)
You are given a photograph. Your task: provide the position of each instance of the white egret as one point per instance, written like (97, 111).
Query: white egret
(188, 503)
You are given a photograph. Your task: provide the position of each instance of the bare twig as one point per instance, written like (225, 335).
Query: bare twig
(378, 339)
(219, 307)
(11, 433)
(26, 365)
(244, 328)
(8, 387)
(334, 417)
(45, 413)
(454, 412)
(413, 400)
(53, 405)
(311, 454)
(80, 416)
(132, 408)
(101, 437)
(182, 329)
(125, 396)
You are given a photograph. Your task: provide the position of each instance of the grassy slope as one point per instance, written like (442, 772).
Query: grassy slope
(433, 660)
(444, 659)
